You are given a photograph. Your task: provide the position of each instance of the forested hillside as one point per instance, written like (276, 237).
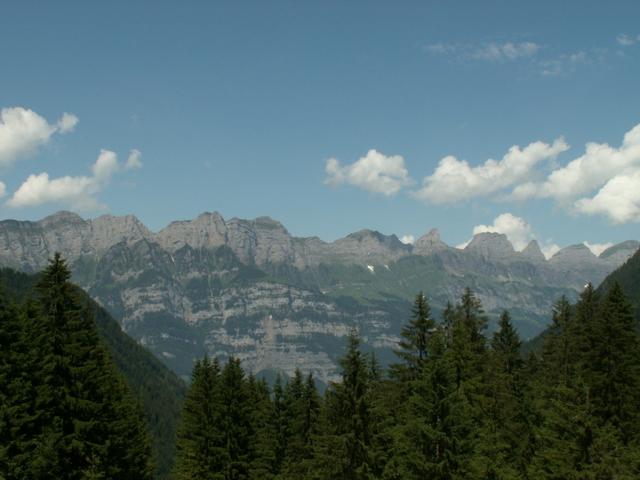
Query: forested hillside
(628, 276)
(455, 405)
(157, 389)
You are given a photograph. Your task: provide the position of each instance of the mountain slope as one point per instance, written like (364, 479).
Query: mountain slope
(628, 276)
(250, 289)
(159, 391)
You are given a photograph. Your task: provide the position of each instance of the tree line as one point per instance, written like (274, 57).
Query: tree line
(456, 405)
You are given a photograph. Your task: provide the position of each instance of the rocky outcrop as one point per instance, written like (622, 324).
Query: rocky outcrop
(491, 246)
(532, 253)
(250, 289)
(429, 243)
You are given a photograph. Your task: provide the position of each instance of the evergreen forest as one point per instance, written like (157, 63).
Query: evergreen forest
(458, 403)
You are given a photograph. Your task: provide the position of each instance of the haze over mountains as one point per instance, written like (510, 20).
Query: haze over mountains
(249, 288)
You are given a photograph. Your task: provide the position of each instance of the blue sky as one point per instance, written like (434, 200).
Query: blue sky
(239, 106)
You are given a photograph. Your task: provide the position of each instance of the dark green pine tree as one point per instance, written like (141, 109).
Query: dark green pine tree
(264, 442)
(236, 421)
(280, 422)
(613, 366)
(200, 453)
(467, 341)
(16, 391)
(415, 338)
(303, 428)
(577, 437)
(434, 437)
(506, 435)
(343, 449)
(85, 421)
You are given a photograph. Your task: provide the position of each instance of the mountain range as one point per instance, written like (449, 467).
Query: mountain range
(278, 302)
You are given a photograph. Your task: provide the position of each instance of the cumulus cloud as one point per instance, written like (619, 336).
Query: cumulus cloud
(618, 199)
(375, 172)
(455, 180)
(3, 189)
(134, 161)
(517, 230)
(67, 122)
(79, 192)
(614, 172)
(408, 239)
(23, 131)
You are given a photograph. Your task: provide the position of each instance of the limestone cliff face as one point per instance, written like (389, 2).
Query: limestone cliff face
(248, 288)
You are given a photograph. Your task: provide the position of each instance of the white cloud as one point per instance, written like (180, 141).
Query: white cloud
(408, 239)
(625, 40)
(455, 180)
(375, 172)
(598, 165)
(23, 131)
(505, 51)
(3, 189)
(517, 230)
(67, 122)
(598, 248)
(492, 51)
(78, 192)
(618, 199)
(564, 64)
(549, 249)
(134, 161)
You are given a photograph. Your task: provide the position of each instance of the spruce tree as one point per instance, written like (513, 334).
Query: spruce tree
(613, 365)
(84, 419)
(236, 422)
(199, 447)
(415, 338)
(343, 451)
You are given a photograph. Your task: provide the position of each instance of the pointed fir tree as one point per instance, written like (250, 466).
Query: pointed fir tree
(85, 419)
(415, 337)
(343, 450)
(200, 451)
(236, 424)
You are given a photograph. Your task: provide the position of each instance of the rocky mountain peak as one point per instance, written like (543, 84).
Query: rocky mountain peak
(490, 245)
(533, 253)
(107, 230)
(62, 217)
(573, 253)
(429, 243)
(629, 248)
(207, 230)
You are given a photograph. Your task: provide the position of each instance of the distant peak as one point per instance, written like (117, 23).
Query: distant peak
(578, 250)
(209, 216)
(429, 243)
(62, 216)
(533, 252)
(490, 245)
(628, 246)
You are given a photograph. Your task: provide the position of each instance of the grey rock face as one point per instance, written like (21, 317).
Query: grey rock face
(533, 253)
(491, 246)
(248, 288)
(429, 243)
